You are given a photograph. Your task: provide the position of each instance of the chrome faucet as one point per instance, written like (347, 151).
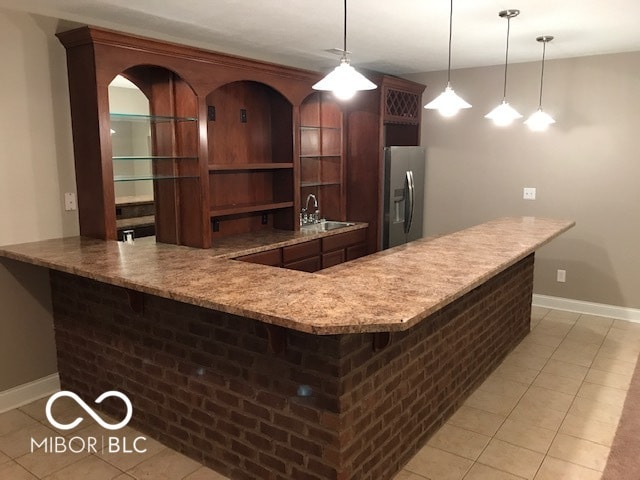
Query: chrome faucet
(306, 217)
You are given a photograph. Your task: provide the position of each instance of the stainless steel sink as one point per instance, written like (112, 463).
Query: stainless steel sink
(326, 226)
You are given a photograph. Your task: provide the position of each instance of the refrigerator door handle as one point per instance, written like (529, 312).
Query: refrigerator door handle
(409, 201)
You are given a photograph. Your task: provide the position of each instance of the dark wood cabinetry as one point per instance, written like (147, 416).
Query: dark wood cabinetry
(272, 258)
(237, 145)
(384, 117)
(322, 165)
(314, 255)
(222, 135)
(250, 139)
(343, 247)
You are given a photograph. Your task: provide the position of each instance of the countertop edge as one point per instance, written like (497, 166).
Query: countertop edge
(303, 323)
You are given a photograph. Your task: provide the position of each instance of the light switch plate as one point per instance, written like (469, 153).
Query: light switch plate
(529, 193)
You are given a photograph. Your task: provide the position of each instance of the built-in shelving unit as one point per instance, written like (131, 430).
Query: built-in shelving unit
(153, 166)
(321, 155)
(236, 145)
(250, 159)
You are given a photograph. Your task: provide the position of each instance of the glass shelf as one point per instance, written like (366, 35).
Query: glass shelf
(250, 166)
(140, 178)
(150, 118)
(309, 127)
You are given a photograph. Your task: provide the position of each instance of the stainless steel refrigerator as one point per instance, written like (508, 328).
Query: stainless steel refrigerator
(403, 183)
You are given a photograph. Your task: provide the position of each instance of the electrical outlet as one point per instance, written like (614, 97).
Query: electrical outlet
(561, 276)
(265, 219)
(529, 193)
(70, 201)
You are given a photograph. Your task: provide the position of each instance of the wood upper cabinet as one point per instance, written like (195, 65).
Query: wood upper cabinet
(322, 159)
(236, 145)
(223, 136)
(387, 116)
(251, 169)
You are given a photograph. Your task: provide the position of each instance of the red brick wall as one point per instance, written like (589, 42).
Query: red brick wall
(393, 400)
(205, 383)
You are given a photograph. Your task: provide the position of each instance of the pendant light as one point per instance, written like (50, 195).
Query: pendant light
(448, 103)
(539, 120)
(344, 81)
(504, 113)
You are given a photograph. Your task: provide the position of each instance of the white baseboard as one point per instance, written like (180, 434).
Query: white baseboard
(590, 308)
(26, 393)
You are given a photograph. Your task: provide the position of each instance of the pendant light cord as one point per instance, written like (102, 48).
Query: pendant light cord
(344, 36)
(450, 30)
(506, 61)
(544, 49)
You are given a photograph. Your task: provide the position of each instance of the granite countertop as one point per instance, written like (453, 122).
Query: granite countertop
(389, 291)
(245, 244)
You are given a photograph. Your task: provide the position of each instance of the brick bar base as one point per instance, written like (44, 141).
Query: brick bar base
(328, 407)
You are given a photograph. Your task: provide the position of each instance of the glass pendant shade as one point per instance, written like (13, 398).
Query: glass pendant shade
(448, 103)
(344, 81)
(539, 121)
(503, 115)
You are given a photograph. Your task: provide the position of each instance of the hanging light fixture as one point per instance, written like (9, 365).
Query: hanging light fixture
(539, 120)
(504, 113)
(344, 81)
(448, 103)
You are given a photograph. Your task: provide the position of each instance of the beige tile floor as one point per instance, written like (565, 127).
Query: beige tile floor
(549, 412)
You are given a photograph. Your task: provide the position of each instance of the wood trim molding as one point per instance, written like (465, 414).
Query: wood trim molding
(93, 35)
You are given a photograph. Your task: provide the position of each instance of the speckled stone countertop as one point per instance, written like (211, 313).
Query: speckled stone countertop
(388, 291)
(248, 243)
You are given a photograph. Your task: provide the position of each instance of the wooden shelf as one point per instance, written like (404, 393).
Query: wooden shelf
(249, 166)
(311, 127)
(225, 210)
(318, 184)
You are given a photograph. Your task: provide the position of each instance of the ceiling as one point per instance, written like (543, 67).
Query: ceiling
(390, 36)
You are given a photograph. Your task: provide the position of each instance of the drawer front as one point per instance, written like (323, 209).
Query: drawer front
(333, 258)
(300, 251)
(356, 251)
(270, 257)
(307, 265)
(343, 240)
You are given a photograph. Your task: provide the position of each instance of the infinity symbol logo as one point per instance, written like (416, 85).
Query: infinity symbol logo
(88, 409)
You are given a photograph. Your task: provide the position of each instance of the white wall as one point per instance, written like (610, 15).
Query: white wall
(36, 164)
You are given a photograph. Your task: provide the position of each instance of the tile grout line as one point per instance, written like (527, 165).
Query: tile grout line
(511, 411)
(572, 402)
(564, 337)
